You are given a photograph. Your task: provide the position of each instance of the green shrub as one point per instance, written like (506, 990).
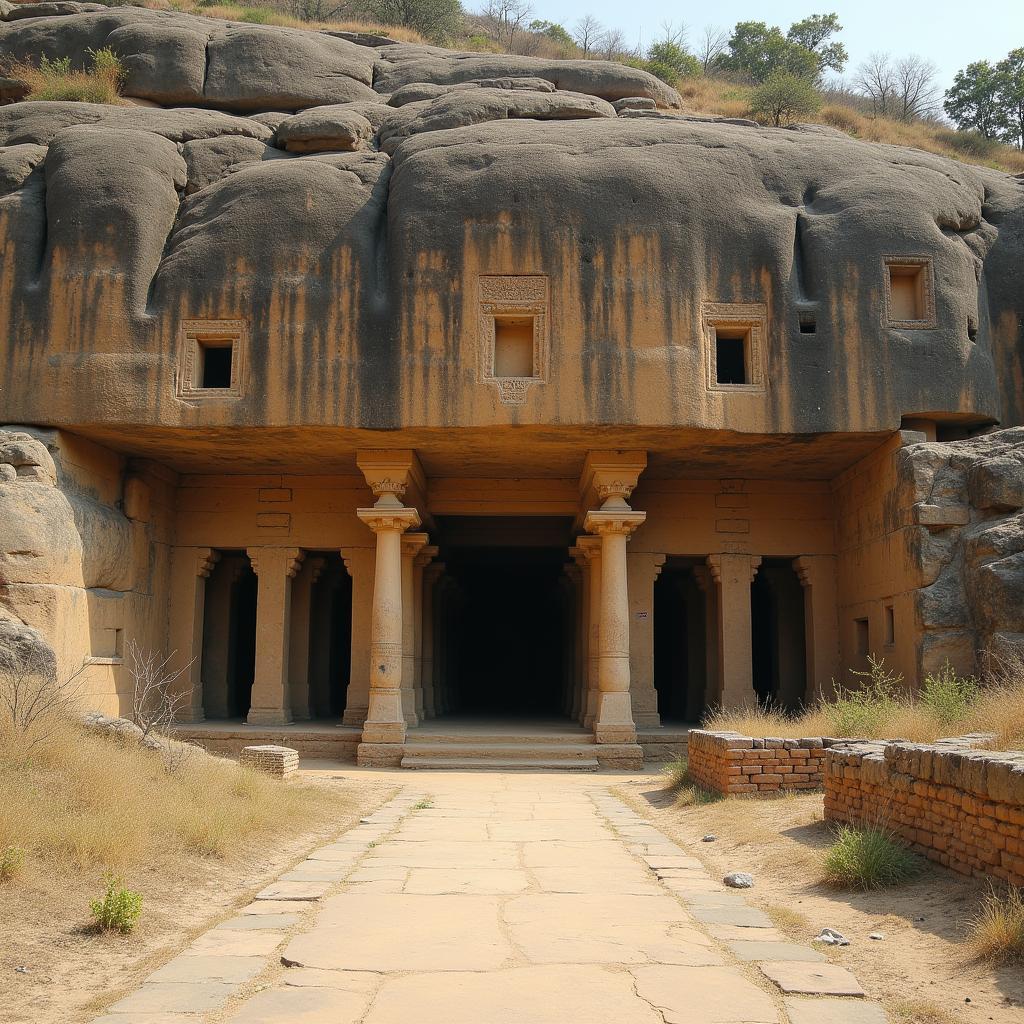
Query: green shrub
(783, 98)
(947, 696)
(118, 910)
(256, 15)
(11, 860)
(997, 933)
(862, 711)
(57, 80)
(868, 857)
(677, 773)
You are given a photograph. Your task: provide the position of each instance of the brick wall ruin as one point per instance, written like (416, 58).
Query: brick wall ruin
(961, 807)
(729, 763)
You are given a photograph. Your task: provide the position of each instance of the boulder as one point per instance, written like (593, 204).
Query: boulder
(997, 484)
(56, 9)
(16, 164)
(634, 103)
(321, 129)
(208, 160)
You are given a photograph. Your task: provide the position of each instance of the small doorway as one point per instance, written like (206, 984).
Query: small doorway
(680, 643)
(229, 637)
(777, 635)
(330, 638)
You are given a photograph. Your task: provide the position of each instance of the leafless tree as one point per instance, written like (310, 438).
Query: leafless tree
(713, 43)
(506, 19)
(675, 34)
(586, 33)
(33, 698)
(876, 79)
(916, 92)
(319, 10)
(157, 700)
(613, 43)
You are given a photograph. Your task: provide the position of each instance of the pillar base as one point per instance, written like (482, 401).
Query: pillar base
(384, 732)
(379, 755)
(268, 716)
(647, 719)
(354, 716)
(615, 719)
(627, 757)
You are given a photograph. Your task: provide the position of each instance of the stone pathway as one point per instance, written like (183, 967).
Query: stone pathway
(498, 899)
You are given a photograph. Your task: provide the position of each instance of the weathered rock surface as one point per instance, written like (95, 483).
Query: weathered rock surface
(323, 129)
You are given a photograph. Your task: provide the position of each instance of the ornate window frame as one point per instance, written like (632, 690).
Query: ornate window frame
(512, 295)
(749, 316)
(926, 270)
(192, 335)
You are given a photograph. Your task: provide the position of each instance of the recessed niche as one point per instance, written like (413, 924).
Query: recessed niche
(890, 625)
(211, 359)
(909, 298)
(731, 345)
(513, 334)
(861, 637)
(734, 344)
(513, 346)
(808, 323)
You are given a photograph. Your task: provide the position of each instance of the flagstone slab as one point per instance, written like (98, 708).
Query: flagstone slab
(291, 1005)
(223, 941)
(478, 881)
(566, 994)
(750, 950)
(260, 922)
(444, 854)
(294, 891)
(175, 997)
(567, 854)
(311, 977)
(704, 995)
(146, 1018)
(741, 916)
(833, 1011)
(587, 879)
(201, 967)
(263, 908)
(812, 979)
(403, 932)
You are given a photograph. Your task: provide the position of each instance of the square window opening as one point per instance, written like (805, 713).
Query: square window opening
(861, 637)
(731, 355)
(808, 323)
(906, 292)
(215, 362)
(513, 346)
(890, 625)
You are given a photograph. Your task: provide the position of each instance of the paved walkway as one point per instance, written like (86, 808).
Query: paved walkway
(498, 899)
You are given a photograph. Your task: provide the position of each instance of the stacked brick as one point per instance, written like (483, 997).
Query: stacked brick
(961, 807)
(730, 763)
(271, 759)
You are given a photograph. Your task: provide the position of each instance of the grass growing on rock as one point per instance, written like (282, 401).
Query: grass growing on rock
(876, 706)
(56, 79)
(868, 857)
(997, 933)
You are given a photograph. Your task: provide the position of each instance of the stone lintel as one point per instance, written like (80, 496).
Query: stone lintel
(941, 517)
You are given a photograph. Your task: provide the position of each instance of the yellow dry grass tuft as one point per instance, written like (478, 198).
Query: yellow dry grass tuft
(57, 80)
(76, 801)
(997, 933)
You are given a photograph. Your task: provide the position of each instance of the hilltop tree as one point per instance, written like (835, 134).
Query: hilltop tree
(813, 34)
(973, 100)
(903, 89)
(758, 51)
(438, 20)
(1011, 95)
(670, 62)
(586, 33)
(713, 44)
(784, 98)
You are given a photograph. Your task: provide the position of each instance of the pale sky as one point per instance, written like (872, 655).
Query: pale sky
(951, 33)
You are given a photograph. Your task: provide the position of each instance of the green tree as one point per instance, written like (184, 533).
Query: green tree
(758, 51)
(1011, 96)
(670, 62)
(438, 20)
(784, 98)
(553, 31)
(815, 34)
(973, 100)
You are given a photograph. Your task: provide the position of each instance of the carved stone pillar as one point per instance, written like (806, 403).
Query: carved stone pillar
(384, 728)
(590, 547)
(644, 568)
(821, 621)
(276, 568)
(428, 632)
(359, 563)
(421, 559)
(614, 522)
(733, 574)
(190, 568)
(298, 652)
(217, 654)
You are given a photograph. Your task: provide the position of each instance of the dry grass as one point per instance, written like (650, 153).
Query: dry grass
(56, 80)
(997, 933)
(257, 15)
(922, 1011)
(956, 708)
(77, 801)
(729, 99)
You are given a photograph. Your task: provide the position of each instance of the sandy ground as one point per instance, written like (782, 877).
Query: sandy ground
(73, 972)
(920, 970)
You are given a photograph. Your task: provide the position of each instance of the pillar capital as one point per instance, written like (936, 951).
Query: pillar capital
(606, 520)
(414, 543)
(291, 557)
(729, 564)
(316, 567)
(387, 520)
(390, 474)
(206, 559)
(811, 568)
(586, 549)
(426, 555)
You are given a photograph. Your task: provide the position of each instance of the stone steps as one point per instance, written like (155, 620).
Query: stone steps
(481, 749)
(422, 762)
(469, 737)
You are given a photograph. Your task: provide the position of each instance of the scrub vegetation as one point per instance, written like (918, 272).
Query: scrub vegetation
(868, 857)
(99, 82)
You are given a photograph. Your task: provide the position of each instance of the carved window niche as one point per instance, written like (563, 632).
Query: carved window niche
(734, 334)
(211, 359)
(513, 334)
(909, 293)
